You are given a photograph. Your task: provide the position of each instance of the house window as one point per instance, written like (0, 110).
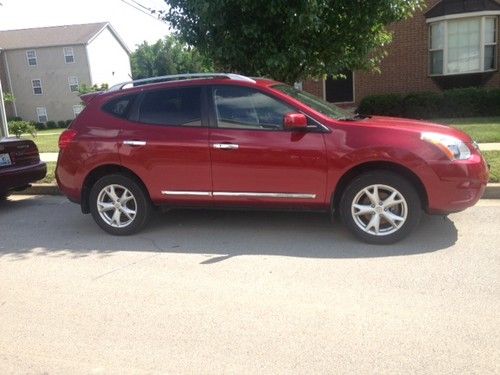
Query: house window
(37, 86)
(31, 57)
(69, 56)
(77, 109)
(463, 46)
(73, 84)
(41, 113)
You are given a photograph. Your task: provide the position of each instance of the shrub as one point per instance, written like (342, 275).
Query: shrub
(39, 125)
(61, 124)
(468, 102)
(389, 105)
(15, 118)
(51, 125)
(19, 128)
(68, 123)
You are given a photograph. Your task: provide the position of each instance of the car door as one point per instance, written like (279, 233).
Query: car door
(166, 144)
(254, 159)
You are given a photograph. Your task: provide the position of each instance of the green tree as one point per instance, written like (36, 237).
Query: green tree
(85, 89)
(167, 56)
(289, 39)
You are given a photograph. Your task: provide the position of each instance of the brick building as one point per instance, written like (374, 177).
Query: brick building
(451, 43)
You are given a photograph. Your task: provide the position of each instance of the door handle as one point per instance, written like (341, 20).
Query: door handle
(134, 143)
(225, 146)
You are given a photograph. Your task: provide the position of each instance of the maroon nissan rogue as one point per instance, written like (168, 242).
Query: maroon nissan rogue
(225, 140)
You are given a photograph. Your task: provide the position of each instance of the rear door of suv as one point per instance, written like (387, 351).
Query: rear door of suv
(165, 142)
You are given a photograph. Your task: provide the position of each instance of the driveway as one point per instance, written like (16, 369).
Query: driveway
(245, 292)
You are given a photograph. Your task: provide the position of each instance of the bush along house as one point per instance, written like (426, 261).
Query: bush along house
(44, 67)
(449, 44)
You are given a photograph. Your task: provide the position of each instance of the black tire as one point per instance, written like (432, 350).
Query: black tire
(140, 203)
(410, 206)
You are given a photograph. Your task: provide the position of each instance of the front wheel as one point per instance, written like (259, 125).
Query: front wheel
(380, 207)
(119, 205)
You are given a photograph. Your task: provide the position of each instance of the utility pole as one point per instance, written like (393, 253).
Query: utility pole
(4, 131)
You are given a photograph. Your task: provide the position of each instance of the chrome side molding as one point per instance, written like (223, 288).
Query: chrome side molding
(238, 194)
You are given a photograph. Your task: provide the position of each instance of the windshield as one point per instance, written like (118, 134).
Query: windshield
(314, 102)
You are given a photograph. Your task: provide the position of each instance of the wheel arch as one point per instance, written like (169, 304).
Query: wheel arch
(403, 171)
(101, 171)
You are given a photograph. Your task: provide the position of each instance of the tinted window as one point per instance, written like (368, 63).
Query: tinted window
(245, 108)
(119, 107)
(181, 107)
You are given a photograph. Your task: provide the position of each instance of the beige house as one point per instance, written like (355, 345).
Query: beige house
(44, 67)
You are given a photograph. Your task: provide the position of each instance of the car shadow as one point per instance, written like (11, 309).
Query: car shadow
(55, 227)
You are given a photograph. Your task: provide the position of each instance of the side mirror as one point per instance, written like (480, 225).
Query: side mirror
(295, 121)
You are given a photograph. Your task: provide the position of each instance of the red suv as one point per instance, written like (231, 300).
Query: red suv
(224, 140)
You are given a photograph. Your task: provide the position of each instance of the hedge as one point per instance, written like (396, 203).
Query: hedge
(468, 102)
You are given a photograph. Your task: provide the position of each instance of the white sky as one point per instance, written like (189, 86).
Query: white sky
(131, 24)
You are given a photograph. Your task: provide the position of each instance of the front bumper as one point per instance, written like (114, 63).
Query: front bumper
(458, 185)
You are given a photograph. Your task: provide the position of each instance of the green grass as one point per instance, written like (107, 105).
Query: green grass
(51, 170)
(481, 129)
(493, 158)
(46, 140)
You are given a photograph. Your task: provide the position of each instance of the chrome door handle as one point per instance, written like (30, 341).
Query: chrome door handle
(134, 143)
(225, 146)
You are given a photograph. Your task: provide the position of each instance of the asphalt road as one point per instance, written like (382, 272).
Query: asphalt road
(245, 293)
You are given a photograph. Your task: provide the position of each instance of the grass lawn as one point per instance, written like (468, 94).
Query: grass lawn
(493, 158)
(46, 140)
(481, 129)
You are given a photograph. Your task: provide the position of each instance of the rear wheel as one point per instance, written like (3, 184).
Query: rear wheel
(380, 207)
(119, 205)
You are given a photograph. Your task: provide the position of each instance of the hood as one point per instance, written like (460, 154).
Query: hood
(417, 126)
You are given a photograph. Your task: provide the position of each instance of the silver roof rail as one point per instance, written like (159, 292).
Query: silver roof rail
(178, 77)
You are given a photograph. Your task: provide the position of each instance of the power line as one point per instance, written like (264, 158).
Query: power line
(139, 9)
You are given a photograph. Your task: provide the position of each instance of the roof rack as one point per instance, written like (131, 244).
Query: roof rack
(179, 77)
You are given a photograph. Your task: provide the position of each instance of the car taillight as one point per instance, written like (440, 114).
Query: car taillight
(66, 138)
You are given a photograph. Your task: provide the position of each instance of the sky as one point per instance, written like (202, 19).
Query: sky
(128, 17)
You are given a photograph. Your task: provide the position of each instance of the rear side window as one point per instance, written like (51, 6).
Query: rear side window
(172, 107)
(119, 107)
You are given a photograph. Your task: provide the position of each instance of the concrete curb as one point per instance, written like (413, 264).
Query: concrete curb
(41, 189)
(492, 190)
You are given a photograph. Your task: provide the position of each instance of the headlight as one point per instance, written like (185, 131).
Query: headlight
(453, 147)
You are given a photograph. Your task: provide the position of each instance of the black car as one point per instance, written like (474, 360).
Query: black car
(20, 165)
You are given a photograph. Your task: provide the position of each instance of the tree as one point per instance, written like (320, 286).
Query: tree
(84, 89)
(167, 56)
(289, 40)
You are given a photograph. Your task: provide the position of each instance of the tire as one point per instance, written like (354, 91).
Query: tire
(124, 205)
(380, 207)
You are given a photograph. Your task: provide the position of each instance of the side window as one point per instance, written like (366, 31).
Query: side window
(119, 107)
(172, 107)
(245, 108)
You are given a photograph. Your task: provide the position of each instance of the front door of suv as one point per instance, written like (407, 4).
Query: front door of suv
(254, 160)
(166, 144)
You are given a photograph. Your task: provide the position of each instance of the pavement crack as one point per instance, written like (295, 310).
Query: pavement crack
(125, 266)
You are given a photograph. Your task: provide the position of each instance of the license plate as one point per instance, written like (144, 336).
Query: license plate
(5, 160)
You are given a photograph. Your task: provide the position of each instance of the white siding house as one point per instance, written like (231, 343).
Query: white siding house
(44, 67)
